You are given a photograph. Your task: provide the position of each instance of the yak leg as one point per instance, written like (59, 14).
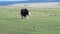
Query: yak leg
(22, 17)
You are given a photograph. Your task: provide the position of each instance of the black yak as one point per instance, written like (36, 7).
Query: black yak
(24, 13)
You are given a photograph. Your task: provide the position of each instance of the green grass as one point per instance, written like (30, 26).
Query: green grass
(40, 22)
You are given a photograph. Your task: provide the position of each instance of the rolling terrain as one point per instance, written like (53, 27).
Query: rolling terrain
(41, 21)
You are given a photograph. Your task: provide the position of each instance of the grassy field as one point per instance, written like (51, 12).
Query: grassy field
(40, 22)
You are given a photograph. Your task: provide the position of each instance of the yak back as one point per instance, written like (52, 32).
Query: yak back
(24, 11)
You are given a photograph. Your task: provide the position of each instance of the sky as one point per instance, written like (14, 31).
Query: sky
(13, 0)
(34, 0)
(47, 0)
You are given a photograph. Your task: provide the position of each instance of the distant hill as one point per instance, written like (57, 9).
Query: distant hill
(3, 3)
(10, 2)
(15, 2)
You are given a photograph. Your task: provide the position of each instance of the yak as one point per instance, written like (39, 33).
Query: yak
(24, 13)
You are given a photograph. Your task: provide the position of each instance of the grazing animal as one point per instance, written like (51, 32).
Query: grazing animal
(24, 13)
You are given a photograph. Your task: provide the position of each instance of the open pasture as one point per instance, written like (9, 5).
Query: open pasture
(41, 21)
